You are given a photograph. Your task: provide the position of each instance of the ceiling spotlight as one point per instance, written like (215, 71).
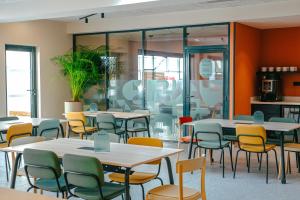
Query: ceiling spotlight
(86, 20)
(102, 15)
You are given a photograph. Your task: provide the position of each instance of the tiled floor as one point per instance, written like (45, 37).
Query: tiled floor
(245, 186)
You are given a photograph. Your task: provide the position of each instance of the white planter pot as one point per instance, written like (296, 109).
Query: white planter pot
(73, 106)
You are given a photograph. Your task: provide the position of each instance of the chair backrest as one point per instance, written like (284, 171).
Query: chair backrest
(41, 164)
(76, 118)
(190, 165)
(244, 117)
(27, 140)
(141, 120)
(208, 131)
(17, 131)
(185, 119)
(259, 117)
(152, 142)
(251, 135)
(106, 121)
(83, 171)
(49, 128)
(2, 119)
(93, 107)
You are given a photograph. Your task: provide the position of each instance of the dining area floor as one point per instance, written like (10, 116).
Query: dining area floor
(247, 186)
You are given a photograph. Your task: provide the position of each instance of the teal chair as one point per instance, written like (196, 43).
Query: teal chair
(44, 166)
(87, 176)
(118, 122)
(210, 136)
(273, 137)
(139, 124)
(106, 121)
(49, 128)
(244, 117)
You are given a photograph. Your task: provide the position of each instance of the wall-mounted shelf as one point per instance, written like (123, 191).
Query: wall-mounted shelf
(296, 72)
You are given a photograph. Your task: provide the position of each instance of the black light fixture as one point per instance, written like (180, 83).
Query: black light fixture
(86, 18)
(102, 15)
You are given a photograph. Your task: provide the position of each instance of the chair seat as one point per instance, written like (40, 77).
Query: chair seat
(230, 137)
(3, 144)
(253, 148)
(51, 185)
(135, 178)
(109, 190)
(187, 139)
(213, 144)
(294, 147)
(80, 129)
(170, 192)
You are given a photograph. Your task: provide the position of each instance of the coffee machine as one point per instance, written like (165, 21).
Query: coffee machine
(270, 86)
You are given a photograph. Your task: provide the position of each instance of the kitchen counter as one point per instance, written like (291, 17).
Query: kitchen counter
(292, 101)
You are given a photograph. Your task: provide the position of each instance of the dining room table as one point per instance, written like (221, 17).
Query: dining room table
(279, 127)
(4, 125)
(125, 116)
(121, 158)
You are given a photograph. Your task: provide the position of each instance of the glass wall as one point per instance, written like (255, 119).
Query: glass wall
(146, 71)
(125, 89)
(163, 73)
(96, 93)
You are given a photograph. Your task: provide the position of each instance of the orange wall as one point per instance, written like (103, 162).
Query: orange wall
(247, 60)
(281, 47)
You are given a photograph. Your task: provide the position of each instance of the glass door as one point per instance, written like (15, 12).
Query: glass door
(206, 83)
(21, 93)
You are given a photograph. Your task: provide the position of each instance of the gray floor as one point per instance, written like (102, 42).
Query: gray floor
(246, 186)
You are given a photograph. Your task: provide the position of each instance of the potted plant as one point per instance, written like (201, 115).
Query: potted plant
(83, 68)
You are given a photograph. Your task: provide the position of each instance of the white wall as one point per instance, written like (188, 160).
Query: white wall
(50, 39)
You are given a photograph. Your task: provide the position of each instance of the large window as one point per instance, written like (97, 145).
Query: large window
(147, 71)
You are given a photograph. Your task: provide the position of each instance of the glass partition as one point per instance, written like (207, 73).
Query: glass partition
(207, 35)
(125, 89)
(163, 74)
(96, 93)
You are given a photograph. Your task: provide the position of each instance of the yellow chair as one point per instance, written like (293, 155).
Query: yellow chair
(252, 139)
(289, 147)
(15, 131)
(77, 124)
(174, 192)
(139, 178)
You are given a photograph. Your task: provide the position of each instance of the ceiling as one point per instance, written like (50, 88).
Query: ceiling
(118, 10)
(72, 10)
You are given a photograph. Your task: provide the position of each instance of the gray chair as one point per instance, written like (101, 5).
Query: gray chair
(49, 128)
(119, 122)
(140, 124)
(44, 166)
(210, 136)
(106, 121)
(86, 175)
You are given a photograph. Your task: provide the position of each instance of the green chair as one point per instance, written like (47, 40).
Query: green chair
(210, 136)
(44, 166)
(106, 121)
(87, 176)
(139, 124)
(49, 128)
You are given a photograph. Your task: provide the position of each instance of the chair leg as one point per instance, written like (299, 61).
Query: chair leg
(223, 160)
(249, 161)
(143, 191)
(267, 155)
(289, 163)
(236, 160)
(6, 167)
(230, 152)
(161, 181)
(260, 160)
(276, 160)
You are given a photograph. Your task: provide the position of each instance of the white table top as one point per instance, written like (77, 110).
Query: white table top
(9, 194)
(270, 126)
(4, 125)
(118, 115)
(123, 155)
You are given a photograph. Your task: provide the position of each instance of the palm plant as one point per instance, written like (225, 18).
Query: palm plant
(83, 67)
